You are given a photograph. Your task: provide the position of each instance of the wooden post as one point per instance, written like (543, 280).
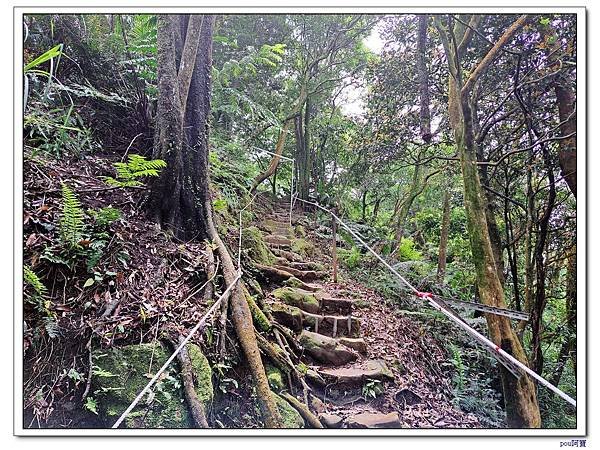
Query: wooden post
(334, 248)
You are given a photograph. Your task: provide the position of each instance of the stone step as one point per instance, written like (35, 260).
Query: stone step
(331, 420)
(305, 300)
(290, 256)
(296, 319)
(374, 420)
(297, 283)
(271, 223)
(357, 375)
(276, 241)
(334, 326)
(309, 265)
(304, 275)
(342, 306)
(325, 349)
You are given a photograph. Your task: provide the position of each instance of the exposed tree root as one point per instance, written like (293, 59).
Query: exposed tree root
(242, 321)
(308, 416)
(194, 403)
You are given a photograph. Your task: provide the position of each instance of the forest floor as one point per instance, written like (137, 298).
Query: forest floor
(144, 280)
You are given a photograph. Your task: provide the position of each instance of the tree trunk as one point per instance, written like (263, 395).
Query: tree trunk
(441, 270)
(303, 159)
(178, 195)
(181, 194)
(540, 269)
(424, 112)
(567, 156)
(522, 409)
(275, 160)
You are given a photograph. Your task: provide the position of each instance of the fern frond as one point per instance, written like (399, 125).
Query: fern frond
(137, 166)
(30, 278)
(72, 218)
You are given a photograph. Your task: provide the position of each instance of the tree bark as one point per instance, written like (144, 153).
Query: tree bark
(441, 270)
(519, 394)
(424, 112)
(178, 195)
(180, 198)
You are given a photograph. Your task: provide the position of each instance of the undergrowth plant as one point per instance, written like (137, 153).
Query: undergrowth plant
(136, 168)
(71, 222)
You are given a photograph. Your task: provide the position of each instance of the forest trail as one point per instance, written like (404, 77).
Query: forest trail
(368, 365)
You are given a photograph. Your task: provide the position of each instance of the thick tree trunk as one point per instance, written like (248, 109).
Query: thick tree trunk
(441, 270)
(179, 193)
(180, 197)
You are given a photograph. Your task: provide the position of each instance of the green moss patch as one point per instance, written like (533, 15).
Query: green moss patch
(275, 378)
(297, 297)
(253, 242)
(291, 418)
(202, 374)
(303, 247)
(119, 374)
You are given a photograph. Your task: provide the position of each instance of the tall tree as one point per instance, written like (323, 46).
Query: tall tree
(178, 196)
(519, 393)
(180, 199)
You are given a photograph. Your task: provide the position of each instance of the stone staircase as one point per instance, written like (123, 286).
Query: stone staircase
(327, 331)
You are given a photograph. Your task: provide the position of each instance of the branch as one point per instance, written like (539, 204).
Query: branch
(491, 55)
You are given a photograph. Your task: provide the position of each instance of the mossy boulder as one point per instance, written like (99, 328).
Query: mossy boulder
(304, 300)
(289, 316)
(254, 243)
(303, 247)
(291, 418)
(119, 375)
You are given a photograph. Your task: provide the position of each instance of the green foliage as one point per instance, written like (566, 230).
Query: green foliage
(72, 218)
(105, 216)
(137, 166)
(372, 389)
(32, 280)
(457, 362)
(407, 251)
(351, 258)
(91, 405)
(57, 131)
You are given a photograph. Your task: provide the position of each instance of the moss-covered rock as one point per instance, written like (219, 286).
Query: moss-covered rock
(287, 315)
(303, 247)
(202, 373)
(297, 297)
(291, 418)
(275, 378)
(119, 375)
(254, 243)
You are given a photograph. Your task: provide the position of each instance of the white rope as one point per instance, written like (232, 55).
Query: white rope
(475, 334)
(176, 352)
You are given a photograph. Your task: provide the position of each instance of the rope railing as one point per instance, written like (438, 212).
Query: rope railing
(509, 361)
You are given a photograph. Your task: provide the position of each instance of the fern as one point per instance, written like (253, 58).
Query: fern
(72, 218)
(31, 279)
(137, 166)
